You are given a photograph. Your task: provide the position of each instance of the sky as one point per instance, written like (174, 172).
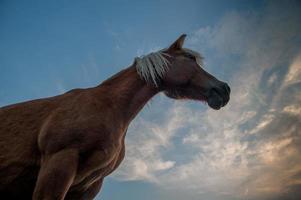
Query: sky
(249, 150)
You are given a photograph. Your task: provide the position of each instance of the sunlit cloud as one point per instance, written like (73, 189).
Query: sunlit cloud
(265, 121)
(294, 73)
(293, 109)
(251, 148)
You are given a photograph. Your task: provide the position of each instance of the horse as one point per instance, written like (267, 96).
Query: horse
(63, 147)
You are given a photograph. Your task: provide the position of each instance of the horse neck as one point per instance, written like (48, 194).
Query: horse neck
(128, 92)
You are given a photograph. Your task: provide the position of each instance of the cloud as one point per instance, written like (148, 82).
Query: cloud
(251, 149)
(294, 72)
(144, 141)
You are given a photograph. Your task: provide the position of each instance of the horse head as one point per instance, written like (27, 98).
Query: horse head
(187, 79)
(179, 73)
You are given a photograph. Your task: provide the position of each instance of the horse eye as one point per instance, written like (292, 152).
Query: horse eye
(190, 56)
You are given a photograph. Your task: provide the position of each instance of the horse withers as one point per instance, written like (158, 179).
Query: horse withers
(63, 147)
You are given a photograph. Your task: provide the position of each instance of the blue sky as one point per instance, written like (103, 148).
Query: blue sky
(46, 43)
(248, 150)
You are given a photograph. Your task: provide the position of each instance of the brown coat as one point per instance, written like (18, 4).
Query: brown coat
(62, 147)
(80, 132)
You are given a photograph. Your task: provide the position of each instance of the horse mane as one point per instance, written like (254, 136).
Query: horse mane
(152, 67)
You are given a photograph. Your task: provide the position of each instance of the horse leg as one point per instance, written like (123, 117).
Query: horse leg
(56, 174)
(87, 194)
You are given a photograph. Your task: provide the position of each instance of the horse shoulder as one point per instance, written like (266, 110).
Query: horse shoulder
(79, 125)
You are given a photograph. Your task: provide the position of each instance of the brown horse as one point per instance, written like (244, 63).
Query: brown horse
(62, 147)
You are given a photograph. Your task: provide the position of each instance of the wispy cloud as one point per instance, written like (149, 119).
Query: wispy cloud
(251, 148)
(146, 139)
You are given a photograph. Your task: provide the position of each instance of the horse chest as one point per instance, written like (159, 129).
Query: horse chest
(117, 158)
(98, 166)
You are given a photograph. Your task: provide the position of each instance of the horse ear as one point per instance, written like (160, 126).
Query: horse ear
(178, 44)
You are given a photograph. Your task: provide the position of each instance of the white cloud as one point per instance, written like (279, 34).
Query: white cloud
(220, 152)
(265, 121)
(293, 109)
(146, 139)
(294, 72)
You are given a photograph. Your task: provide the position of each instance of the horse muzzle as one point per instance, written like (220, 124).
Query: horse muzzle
(219, 96)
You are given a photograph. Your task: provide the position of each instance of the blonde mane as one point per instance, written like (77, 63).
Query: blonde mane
(153, 67)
